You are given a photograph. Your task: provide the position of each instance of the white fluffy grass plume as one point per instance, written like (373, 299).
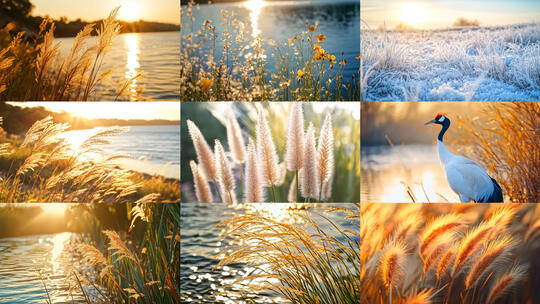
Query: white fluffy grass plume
(325, 152)
(295, 138)
(205, 157)
(267, 152)
(254, 191)
(310, 175)
(236, 141)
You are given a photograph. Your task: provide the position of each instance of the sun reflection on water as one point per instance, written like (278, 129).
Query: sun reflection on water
(255, 7)
(132, 63)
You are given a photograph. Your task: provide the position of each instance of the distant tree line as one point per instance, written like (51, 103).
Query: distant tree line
(19, 12)
(17, 120)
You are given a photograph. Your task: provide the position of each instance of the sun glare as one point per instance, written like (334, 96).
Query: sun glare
(413, 13)
(254, 7)
(53, 209)
(129, 11)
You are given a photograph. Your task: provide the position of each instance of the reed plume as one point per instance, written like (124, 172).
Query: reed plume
(325, 155)
(294, 154)
(423, 297)
(505, 283)
(225, 177)
(438, 228)
(236, 140)
(267, 153)
(445, 262)
(310, 174)
(202, 189)
(469, 244)
(254, 190)
(392, 265)
(118, 247)
(495, 251)
(205, 157)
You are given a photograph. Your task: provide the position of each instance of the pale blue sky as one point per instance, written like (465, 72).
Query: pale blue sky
(442, 13)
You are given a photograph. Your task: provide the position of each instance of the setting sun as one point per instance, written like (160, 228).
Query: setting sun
(129, 11)
(413, 13)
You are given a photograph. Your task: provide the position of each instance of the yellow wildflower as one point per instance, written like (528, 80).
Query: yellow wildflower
(206, 83)
(332, 58)
(301, 72)
(186, 55)
(316, 47)
(312, 28)
(357, 57)
(320, 38)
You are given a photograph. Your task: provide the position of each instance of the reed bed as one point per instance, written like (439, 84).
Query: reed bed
(506, 137)
(35, 70)
(140, 266)
(304, 70)
(321, 266)
(445, 253)
(44, 168)
(254, 173)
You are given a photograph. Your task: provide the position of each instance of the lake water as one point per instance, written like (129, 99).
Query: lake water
(156, 54)
(29, 264)
(387, 173)
(153, 149)
(202, 243)
(339, 21)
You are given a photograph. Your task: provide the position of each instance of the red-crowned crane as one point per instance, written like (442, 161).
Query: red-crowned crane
(466, 178)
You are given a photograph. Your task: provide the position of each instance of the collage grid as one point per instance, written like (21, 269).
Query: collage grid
(269, 151)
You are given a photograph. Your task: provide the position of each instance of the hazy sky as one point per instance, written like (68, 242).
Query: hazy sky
(150, 10)
(443, 13)
(119, 110)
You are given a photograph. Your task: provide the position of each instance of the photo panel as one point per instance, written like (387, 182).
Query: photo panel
(89, 253)
(256, 152)
(270, 253)
(102, 50)
(450, 152)
(449, 253)
(449, 50)
(95, 152)
(270, 50)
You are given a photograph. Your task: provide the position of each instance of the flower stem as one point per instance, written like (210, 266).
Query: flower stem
(297, 187)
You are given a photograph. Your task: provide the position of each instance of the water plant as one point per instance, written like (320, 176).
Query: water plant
(304, 70)
(321, 266)
(36, 70)
(45, 168)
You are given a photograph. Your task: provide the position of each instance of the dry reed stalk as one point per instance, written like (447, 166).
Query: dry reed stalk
(267, 152)
(423, 297)
(202, 189)
(439, 227)
(235, 140)
(325, 154)
(254, 190)
(505, 282)
(117, 246)
(225, 177)
(469, 244)
(294, 154)
(205, 157)
(495, 251)
(310, 174)
(392, 264)
(291, 196)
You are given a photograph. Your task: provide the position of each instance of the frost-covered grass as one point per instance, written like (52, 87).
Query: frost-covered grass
(475, 63)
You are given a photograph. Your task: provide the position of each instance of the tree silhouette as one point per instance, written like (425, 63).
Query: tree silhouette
(16, 9)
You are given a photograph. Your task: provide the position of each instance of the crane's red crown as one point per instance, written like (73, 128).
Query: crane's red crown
(440, 114)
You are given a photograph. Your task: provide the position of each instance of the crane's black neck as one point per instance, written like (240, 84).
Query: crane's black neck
(445, 125)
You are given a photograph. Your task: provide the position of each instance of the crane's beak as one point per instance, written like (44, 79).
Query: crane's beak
(430, 122)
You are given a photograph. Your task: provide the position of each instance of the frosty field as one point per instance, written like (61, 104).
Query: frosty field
(456, 64)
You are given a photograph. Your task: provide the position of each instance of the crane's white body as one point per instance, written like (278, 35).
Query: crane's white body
(465, 177)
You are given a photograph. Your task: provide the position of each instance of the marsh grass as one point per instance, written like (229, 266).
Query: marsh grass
(466, 253)
(44, 168)
(506, 137)
(35, 70)
(304, 70)
(130, 269)
(303, 267)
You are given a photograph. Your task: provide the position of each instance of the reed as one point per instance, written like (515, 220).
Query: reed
(49, 170)
(317, 267)
(37, 71)
(465, 264)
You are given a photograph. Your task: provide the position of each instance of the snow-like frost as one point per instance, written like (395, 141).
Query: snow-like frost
(479, 63)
